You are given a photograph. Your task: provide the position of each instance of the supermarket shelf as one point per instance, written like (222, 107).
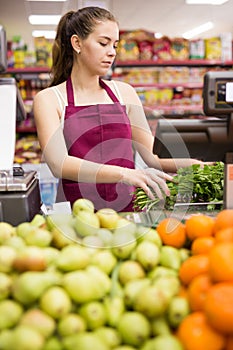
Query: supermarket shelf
(170, 85)
(191, 62)
(33, 69)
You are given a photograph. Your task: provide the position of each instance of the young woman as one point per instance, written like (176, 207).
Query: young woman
(89, 128)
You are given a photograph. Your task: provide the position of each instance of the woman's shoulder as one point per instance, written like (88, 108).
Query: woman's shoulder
(50, 91)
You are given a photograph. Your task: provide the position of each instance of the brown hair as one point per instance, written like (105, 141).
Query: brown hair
(81, 23)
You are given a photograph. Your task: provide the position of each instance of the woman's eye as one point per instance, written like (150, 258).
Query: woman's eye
(103, 44)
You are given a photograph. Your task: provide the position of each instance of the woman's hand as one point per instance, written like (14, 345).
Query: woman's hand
(147, 179)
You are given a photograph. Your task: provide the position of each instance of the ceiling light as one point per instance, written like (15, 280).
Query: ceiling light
(198, 30)
(48, 34)
(205, 2)
(48, 0)
(44, 19)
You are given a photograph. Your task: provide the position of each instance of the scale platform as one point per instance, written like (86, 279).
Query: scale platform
(20, 198)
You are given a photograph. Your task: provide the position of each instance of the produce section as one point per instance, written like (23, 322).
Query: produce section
(127, 286)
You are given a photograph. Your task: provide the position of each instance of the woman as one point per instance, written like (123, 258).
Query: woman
(88, 127)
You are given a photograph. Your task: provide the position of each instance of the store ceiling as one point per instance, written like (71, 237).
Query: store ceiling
(170, 17)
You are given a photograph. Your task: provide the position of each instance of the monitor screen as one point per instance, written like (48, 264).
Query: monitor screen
(3, 50)
(205, 139)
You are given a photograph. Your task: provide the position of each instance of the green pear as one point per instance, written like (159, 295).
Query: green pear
(39, 320)
(6, 231)
(72, 257)
(5, 285)
(160, 326)
(109, 335)
(94, 314)
(115, 307)
(159, 271)
(147, 254)
(30, 258)
(108, 218)
(53, 343)
(132, 288)
(125, 347)
(51, 255)
(93, 242)
(71, 323)
(134, 328)
(149, 234)
(102, 282)
(86, 223)
(16, 242)
(24, 229)
(26, 338)
(82, 204)
(38, 221)
(57, 220)
(130, 270)
(56, 302)
(123, 244)
(168, 342)
(30, 285)
(170, 285)
(79, 285)
(84, 341)
(39, 237)
(125, 226)
(184, 254)
(5, 338)
(178, 309)
(170, 257)
(151, 301)
(10, 313)
(104, 259)
(60, 240)
(7, 257)
(106, 236)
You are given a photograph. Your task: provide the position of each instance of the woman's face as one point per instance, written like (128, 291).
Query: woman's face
(98, 51)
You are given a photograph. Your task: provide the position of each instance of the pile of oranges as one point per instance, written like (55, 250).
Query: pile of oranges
(206, 277)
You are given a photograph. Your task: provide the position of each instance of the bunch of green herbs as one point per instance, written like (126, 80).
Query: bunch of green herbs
(192, 184)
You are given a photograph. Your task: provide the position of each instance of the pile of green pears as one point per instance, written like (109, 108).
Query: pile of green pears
(88, 281)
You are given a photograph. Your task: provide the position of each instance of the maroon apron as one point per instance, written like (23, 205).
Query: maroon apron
(102, 134)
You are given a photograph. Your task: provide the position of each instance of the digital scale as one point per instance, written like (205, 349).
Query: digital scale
(20, 198)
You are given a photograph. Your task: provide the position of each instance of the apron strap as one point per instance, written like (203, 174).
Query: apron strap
(70, 92)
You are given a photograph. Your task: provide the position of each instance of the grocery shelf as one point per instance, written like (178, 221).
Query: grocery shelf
(191, 62)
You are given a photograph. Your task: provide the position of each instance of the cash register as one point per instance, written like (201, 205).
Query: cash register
(20, 198)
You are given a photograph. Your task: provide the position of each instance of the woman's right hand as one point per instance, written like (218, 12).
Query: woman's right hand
(147, 179)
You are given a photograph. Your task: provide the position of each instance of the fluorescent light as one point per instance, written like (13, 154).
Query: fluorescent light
(48, 34)
(205, 2)
(48, 0)
(44, 19)
(198, 30)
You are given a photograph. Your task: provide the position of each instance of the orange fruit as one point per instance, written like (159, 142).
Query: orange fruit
(223, 219)
(202, 245)
(224, 234)
(229, 342)
(218, 307)
(196, 334)
(172, 232)
(199, 225)
(197, 290)
(221, 262)
(192, 267)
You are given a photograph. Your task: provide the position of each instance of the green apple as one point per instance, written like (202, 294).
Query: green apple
(82, 204)
(86, 223)
(108, 218)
